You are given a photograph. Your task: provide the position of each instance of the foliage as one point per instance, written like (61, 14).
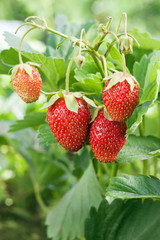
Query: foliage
(66, 188)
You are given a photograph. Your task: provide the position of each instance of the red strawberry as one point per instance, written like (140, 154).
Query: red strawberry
(107, 138)
(122, 97)
(70, 129)
(27, 83)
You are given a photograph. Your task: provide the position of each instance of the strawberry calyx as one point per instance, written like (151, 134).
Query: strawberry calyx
(120, 77)
(26, 66)
(97, 110)
(70, 100)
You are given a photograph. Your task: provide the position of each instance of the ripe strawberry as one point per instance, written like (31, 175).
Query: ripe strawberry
(27, 83)
(70, 129)
(107, 138)
(121, 98)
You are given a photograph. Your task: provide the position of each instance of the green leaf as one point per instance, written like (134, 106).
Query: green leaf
(140, 69)
(152, 79)
(51, 101)
(139, 148)
(124, 221)
(116, 56)
(71, 103)
(45, 135)
(145, 40)
(150, 92)
(90, 83)
(66, 219)
(14, 41)
(33, 119)
(89, 67)
(128, 187)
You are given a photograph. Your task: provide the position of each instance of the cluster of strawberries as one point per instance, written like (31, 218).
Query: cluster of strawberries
(108, 128)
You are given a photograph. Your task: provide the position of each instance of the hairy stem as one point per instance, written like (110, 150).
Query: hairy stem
(20, 45)
(124, 64)
(104, 65)
(110, 47)
(67, 75)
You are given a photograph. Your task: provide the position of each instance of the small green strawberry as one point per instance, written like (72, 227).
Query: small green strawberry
(27, 83)
(106, 138)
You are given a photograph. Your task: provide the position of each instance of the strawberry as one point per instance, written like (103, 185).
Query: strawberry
(27, 83)
(106, 138)
(69, 128)
(120, 96)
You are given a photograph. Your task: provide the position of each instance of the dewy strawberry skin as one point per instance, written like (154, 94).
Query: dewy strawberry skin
(70, 129)
(107, 138)
(26, 86)
(120, 100)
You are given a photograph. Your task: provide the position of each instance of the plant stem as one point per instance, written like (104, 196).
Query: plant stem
(145, 167)
(38, 195)
(99, 174)
(123, 14)
(142, 133)
(105, 65)
(124, 64)
(110, 47)
(96, 47)
(155, 166)
(67, 75)
(19, 49)
(114, 170)
(141, 129)
(125, 24)
(98, 65)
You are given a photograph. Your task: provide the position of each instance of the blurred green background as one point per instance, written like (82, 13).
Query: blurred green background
(143, 14)
(19, 215)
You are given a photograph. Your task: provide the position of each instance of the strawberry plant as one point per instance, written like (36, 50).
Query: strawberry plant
(92, 109)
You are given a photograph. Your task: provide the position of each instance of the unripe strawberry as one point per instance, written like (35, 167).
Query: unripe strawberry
(69, 128)
(106, 138)
(27, 83)
(121, 98)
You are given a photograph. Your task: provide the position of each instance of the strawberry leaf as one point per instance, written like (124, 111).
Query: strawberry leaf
(66, 219)
(128, 186)
(139, 148)
(132, 219)
(71, 103)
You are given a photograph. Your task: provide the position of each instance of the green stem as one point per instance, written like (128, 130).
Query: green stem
(142, 133)
(155, 166)
(19, 49)
(110, 47)
(98, 65)
(38, 195)
(67, 75)
(125, 24)
(123, 14)
(114, 170)
(99, 174)
(124, 64)
(96, 47)
(105, 65)
(145, 167)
